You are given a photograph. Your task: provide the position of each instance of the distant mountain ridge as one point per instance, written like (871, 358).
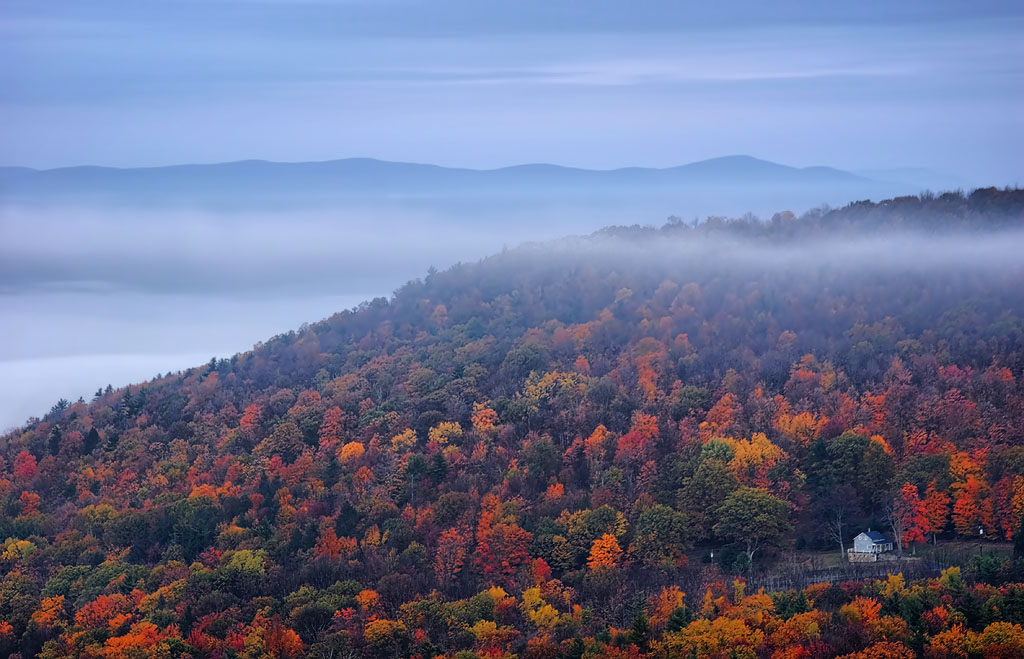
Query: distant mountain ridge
(356, 175)
(729, 185)
(732, 164)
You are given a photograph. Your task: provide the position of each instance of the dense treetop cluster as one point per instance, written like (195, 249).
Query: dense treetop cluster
(531, 454)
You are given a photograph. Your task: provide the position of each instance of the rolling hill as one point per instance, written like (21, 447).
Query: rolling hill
(612, 446)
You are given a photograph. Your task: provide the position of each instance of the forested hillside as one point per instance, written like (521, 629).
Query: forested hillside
(536, 455)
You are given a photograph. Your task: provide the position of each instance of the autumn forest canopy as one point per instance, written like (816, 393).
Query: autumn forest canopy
(642, 442)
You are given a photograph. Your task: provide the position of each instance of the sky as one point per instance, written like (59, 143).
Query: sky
(865, 85)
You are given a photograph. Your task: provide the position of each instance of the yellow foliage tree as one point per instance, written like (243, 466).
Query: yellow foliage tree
(802, 428)
(754, 457)
(445, 432)
(711, 638)
(404, 440)
(545, 617)
(386, 637)
(483, 631)
(1001, 639)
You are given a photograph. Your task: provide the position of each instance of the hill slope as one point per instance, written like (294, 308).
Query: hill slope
(526, 453)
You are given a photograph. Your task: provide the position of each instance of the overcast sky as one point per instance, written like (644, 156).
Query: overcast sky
(601, 84)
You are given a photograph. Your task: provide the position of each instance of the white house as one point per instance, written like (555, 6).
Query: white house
(868, 545)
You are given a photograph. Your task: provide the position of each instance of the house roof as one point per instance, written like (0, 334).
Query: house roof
(876, 537)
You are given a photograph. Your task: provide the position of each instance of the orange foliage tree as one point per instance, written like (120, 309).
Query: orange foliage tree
(604, 553)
